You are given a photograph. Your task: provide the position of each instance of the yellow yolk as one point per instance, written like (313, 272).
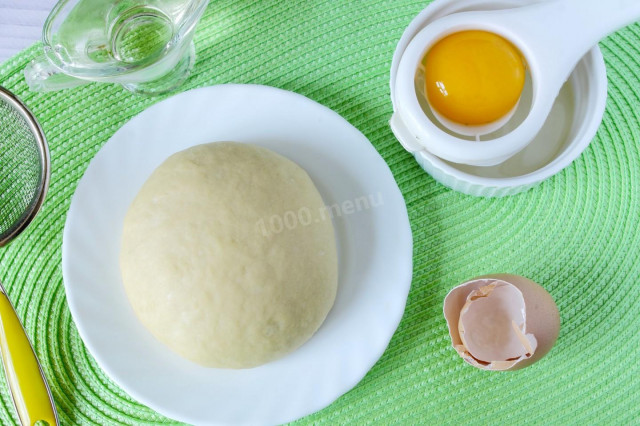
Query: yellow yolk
(473, 77)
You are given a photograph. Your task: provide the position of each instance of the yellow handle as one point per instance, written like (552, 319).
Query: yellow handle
(27, 383)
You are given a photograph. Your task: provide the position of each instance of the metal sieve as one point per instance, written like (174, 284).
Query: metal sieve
(24, 179)
(24, 166)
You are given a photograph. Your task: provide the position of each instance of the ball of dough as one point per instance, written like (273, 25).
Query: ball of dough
(228, 255)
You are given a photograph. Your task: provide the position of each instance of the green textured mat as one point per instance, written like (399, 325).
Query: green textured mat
(576, 234)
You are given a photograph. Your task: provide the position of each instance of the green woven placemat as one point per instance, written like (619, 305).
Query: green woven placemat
(576, 234)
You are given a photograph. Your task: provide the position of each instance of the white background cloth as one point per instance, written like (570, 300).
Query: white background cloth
(21, 24)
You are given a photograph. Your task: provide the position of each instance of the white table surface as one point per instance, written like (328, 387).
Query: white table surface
(21, 24)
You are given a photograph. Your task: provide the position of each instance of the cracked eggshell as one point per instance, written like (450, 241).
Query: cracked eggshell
(533, 317)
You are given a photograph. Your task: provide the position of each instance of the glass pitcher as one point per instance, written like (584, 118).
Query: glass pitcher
(145, 45)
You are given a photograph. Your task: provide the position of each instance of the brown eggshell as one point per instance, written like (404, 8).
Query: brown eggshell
(542, 316)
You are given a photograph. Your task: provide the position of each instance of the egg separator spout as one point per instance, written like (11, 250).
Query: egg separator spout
(552, 36)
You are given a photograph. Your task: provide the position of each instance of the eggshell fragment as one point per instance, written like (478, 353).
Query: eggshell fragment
(501, 321)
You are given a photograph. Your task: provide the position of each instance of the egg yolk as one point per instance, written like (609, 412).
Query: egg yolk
(473, 77)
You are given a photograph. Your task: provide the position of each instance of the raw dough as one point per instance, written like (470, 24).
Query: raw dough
(206, 266)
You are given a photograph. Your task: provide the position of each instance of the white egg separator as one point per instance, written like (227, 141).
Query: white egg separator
(551, 35)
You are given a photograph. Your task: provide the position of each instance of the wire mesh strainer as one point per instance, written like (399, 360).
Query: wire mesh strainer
(24, 166)
(24, 179)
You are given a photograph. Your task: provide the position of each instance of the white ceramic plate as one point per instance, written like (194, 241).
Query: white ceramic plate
(374, 244)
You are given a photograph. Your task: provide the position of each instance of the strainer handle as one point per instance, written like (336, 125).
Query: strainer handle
(29, 389)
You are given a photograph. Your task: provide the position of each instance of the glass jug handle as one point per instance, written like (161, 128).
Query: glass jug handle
(42, 76)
